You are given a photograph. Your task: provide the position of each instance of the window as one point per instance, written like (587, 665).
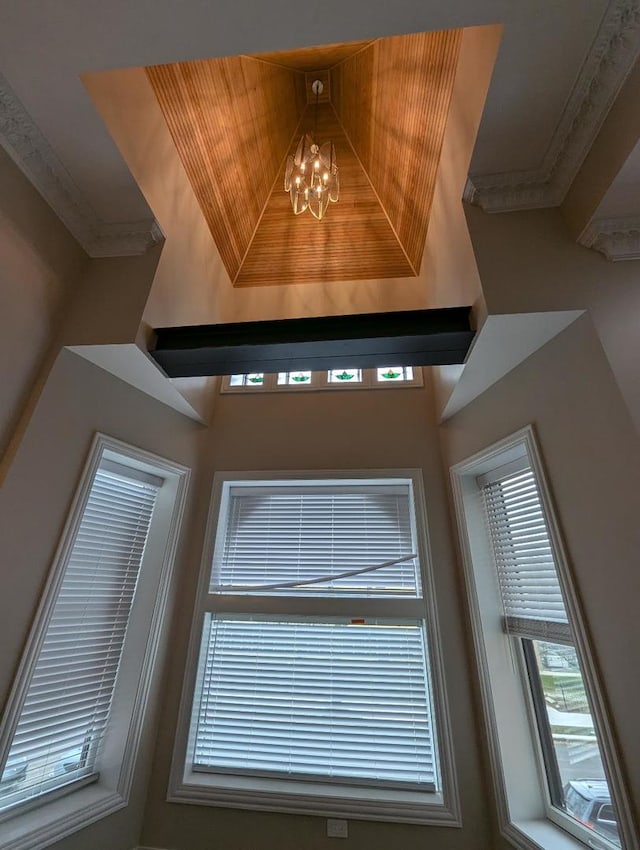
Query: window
(252, 379)
(57, 734)
(529, 640)
(333, 379)
(313, 688)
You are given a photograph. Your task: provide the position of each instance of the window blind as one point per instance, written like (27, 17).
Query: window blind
(316, 700)
(67, 701)
(279, 534)
(529, 585)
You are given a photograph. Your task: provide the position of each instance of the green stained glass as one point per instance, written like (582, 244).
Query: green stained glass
(341, 376)
(394, 373)
(256, 379)
(300, 379)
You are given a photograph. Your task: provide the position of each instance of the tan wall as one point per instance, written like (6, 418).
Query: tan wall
(614, 143)
(78, 400)
(324, 430)
(40, 263)
(592, 458)
(529, 263)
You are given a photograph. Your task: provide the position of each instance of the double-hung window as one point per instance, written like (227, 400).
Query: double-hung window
(91, 648)
(313, 689)
(527, 622)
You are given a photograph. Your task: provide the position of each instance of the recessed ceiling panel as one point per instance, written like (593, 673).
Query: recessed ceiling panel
(385, 108)
(354, 241)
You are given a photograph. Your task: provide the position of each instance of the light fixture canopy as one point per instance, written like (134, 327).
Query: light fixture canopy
(311, 174)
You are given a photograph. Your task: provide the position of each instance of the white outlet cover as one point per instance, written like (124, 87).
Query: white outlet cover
(337, 828)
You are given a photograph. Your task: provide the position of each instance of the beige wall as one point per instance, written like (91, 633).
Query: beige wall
(592, 459)
(362, 429)
(615, 141)
(39, 265)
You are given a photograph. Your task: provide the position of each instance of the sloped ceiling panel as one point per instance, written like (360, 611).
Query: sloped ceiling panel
(393, 99)
(354, 241)
(232, 121)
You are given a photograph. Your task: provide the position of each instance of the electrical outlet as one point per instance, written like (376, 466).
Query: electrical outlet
(337, 828)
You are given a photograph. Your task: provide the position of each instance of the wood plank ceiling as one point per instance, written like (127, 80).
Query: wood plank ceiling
(385, 108)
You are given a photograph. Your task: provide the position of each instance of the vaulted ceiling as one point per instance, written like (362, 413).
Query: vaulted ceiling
(384, 106)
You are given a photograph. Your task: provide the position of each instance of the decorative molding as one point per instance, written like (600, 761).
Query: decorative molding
(23, 141)
(616, 238)
(614, 51)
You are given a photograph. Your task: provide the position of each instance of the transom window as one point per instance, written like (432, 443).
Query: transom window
(333, 379)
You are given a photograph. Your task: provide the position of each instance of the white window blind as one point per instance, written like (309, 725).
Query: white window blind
(334, 690)
(65, 709)
(529, 585)
(317, 700)
(286, 534)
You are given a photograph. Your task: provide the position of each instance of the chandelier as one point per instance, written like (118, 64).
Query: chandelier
(311, 174)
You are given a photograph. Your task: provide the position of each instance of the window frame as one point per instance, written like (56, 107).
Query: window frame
(55, 815)
(303, 796)
(526, 814)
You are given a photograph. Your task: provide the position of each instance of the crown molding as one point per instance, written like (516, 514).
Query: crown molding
(614, 51)
(616, 238)
(34, 156)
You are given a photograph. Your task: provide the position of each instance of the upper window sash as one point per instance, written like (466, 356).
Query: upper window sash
(317, 540)
(523, 553)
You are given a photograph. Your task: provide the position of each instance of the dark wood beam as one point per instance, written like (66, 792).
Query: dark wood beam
(406, 338)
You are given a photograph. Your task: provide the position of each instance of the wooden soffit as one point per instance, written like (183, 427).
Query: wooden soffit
(385, 107)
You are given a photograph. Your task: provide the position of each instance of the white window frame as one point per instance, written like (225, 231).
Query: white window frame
(52, 817)
(441, 807)
(525, 813)
(320, 381)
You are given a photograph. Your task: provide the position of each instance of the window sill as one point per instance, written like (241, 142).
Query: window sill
(542, 833)
(43, 825)
(314, 798)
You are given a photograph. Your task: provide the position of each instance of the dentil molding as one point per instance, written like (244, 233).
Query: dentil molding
(616, 238)
(614, 52)
(28, 148)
